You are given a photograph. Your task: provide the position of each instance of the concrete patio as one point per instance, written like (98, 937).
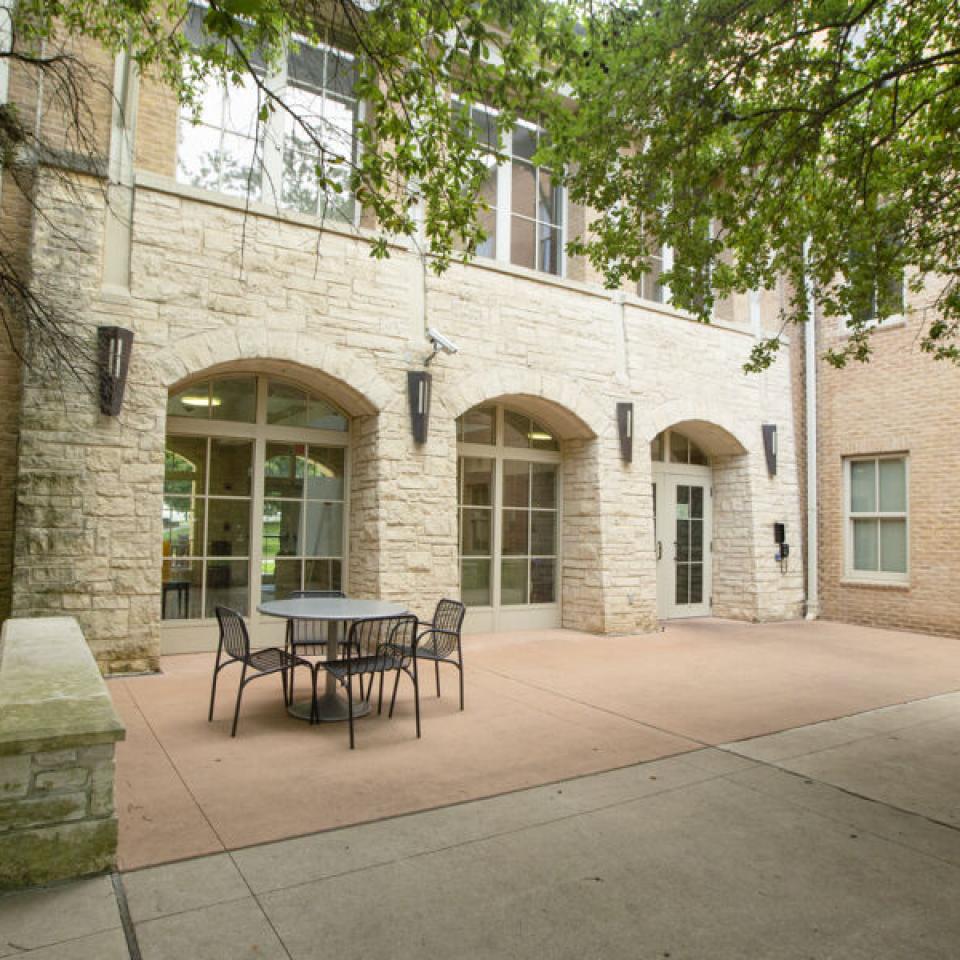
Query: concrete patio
(785, 790)
(540, 707)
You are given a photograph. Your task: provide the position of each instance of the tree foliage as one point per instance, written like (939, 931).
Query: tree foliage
(776, 122)
(806, 140)
(416, 166)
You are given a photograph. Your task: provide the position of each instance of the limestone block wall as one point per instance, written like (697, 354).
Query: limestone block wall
(57, 735)
(213, 288)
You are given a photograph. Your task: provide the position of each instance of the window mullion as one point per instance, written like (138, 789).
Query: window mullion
(504, 201)
(273, 140)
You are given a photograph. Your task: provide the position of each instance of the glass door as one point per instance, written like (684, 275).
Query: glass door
(683, 525)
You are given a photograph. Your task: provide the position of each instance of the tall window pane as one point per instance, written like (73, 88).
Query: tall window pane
(536, 214)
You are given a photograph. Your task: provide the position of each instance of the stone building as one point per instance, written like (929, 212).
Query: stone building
(265, 439)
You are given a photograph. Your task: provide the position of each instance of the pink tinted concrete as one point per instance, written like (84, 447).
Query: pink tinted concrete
(541, 706)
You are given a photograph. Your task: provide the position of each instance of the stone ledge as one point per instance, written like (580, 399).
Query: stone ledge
(52, 695)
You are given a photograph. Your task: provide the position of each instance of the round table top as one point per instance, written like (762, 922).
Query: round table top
(331, 608)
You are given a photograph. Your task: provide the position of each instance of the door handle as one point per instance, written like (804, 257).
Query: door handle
(659, 549)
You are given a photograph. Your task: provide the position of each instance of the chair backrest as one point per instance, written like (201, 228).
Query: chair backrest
(233, 633)
(381, 637)
(449, 615)
(305, 632)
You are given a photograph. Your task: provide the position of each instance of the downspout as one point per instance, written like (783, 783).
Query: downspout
(810, 389)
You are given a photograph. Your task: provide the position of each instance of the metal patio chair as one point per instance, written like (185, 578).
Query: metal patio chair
(375, 647)
(439, 641)
(235, 644)
(309, 637)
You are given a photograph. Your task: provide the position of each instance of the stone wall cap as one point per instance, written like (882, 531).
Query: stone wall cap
(52, 695)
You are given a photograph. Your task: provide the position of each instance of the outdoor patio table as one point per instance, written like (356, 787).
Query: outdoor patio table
(334, 610)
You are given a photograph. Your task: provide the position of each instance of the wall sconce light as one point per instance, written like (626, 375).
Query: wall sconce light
(113, 362)
(770, 447)
(418, 393)
(625, 430)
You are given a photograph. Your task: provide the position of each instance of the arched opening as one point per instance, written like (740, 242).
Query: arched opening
(255, 498)
(690, 462)
(509, 506)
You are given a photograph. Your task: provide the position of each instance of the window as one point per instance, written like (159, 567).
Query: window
(509, 499)
(673, 445)
(876, 518)
(230, 150)
(525, 220)
(222, 151)
(885, 293)
(320, 82)
(254, 502)
(651, 286)
(536, 208)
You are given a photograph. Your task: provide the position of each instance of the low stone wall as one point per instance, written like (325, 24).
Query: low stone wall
(58, 729)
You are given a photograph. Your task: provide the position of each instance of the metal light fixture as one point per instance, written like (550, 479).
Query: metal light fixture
(113, 362)
(770, 447)
(418, 393)
(625, 430)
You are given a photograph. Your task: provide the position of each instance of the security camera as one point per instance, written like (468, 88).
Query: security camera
(440, 342)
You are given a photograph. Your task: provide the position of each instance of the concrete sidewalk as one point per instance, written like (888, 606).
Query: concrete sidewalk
(839, 839)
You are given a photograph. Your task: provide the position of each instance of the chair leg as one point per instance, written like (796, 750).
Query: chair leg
(380, 694)
(314, 703)
(213, 688)
(436, 668)
(284, 683)
(236, 711)
(460, 669)
(416, 696)
(350, 706)
(393, 699)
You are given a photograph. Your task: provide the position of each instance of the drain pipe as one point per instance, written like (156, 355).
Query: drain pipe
(810, 391)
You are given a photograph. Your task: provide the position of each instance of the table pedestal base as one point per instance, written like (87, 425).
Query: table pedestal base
(331, 706)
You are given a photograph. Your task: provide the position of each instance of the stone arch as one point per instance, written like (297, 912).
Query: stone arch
(707, 424)
(561, 405)
(352, 384)
(733, 486)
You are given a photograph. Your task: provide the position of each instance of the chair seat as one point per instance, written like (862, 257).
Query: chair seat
(273, 658)
(364, 664)
(427, 653)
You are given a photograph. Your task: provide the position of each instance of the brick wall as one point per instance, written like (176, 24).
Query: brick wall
(901, 401)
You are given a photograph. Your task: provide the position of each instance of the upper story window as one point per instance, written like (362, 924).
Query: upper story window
(320, 83)
(525, 220)
(231, 150)
(887, 292)
(222, 150)
(651, 285)
(876, 518)
(660, 260)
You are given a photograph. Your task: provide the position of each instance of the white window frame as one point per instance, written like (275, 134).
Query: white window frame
(504, 212)
(874, 576)
(260, 433)
(270, 138)
(499, 452)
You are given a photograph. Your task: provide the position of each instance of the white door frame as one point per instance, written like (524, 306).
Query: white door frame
(666, 478)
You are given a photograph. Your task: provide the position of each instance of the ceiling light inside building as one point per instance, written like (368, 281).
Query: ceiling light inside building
(200, 401)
